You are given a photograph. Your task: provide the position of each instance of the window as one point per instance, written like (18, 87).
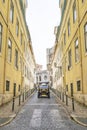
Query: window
(45, 77)
(17, 28)
(3, 1)
(9, 50)
(78, 86)
(16, 59)
(14, 90)
(11, 11)
(85, 36)
(76, 51)
(69, 27)
(74, 12)
(39, 78)
(66, 87)
(0, 37)
(71, 87)
(19, 88)
(70, 58)
(83, 1)
(25, 71)
(7, 85)
(65, 38)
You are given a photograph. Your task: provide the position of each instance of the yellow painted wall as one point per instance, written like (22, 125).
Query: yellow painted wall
(8, 71)
(78, 70)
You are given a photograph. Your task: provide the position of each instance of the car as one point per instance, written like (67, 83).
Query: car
(43, 89)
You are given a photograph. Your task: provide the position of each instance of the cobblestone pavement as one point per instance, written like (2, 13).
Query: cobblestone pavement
(79, 114)
(43, 114)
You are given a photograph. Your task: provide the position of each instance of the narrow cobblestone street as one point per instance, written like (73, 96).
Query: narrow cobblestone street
(42, 114)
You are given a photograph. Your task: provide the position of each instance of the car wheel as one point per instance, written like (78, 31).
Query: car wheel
(48, 95)
(38, 95)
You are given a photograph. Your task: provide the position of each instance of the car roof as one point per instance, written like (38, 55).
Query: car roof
(43, 86)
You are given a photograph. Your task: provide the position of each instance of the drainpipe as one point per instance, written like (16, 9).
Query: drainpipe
(80, 48)
(6, 49)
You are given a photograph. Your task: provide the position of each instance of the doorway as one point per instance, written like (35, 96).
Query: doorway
(14, 90)
(71, 86)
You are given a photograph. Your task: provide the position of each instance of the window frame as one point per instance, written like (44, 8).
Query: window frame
(70, 58)
(76, 50)
(67, 89)
(83, 1)
(3, 1)
(16, 58)
(19, 88)
(39, 78)
(7, 85)
(11, 11)
(69, 29)
(85, 36)
(78, 87)
(17, 27)
(74, 12)
(9, 50)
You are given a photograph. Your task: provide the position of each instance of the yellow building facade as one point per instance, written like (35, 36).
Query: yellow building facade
(16, 52)
(71, 50)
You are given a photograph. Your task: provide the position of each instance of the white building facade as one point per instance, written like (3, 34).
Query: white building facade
(41, 77)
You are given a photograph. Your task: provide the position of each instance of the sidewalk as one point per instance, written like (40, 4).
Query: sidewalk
(6, 113)
(79, 114)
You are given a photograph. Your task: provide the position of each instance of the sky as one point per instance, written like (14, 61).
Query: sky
(42, 16)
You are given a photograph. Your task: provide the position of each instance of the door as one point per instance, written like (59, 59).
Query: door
(14, 90)
(71, 86)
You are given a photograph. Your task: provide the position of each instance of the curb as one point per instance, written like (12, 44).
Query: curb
(57, 99)
(7, 122)
(13, 116)
(79, 122)
(73, 117)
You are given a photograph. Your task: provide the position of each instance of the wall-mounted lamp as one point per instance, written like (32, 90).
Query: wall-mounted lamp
(55, 65)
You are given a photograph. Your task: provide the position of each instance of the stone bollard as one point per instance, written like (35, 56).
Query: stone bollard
(23, 97)
(19, 100)
(13, 103)
(66, 100)
(73, 108)
(62, 97)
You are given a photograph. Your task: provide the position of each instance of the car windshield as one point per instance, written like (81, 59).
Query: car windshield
(43, 86)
